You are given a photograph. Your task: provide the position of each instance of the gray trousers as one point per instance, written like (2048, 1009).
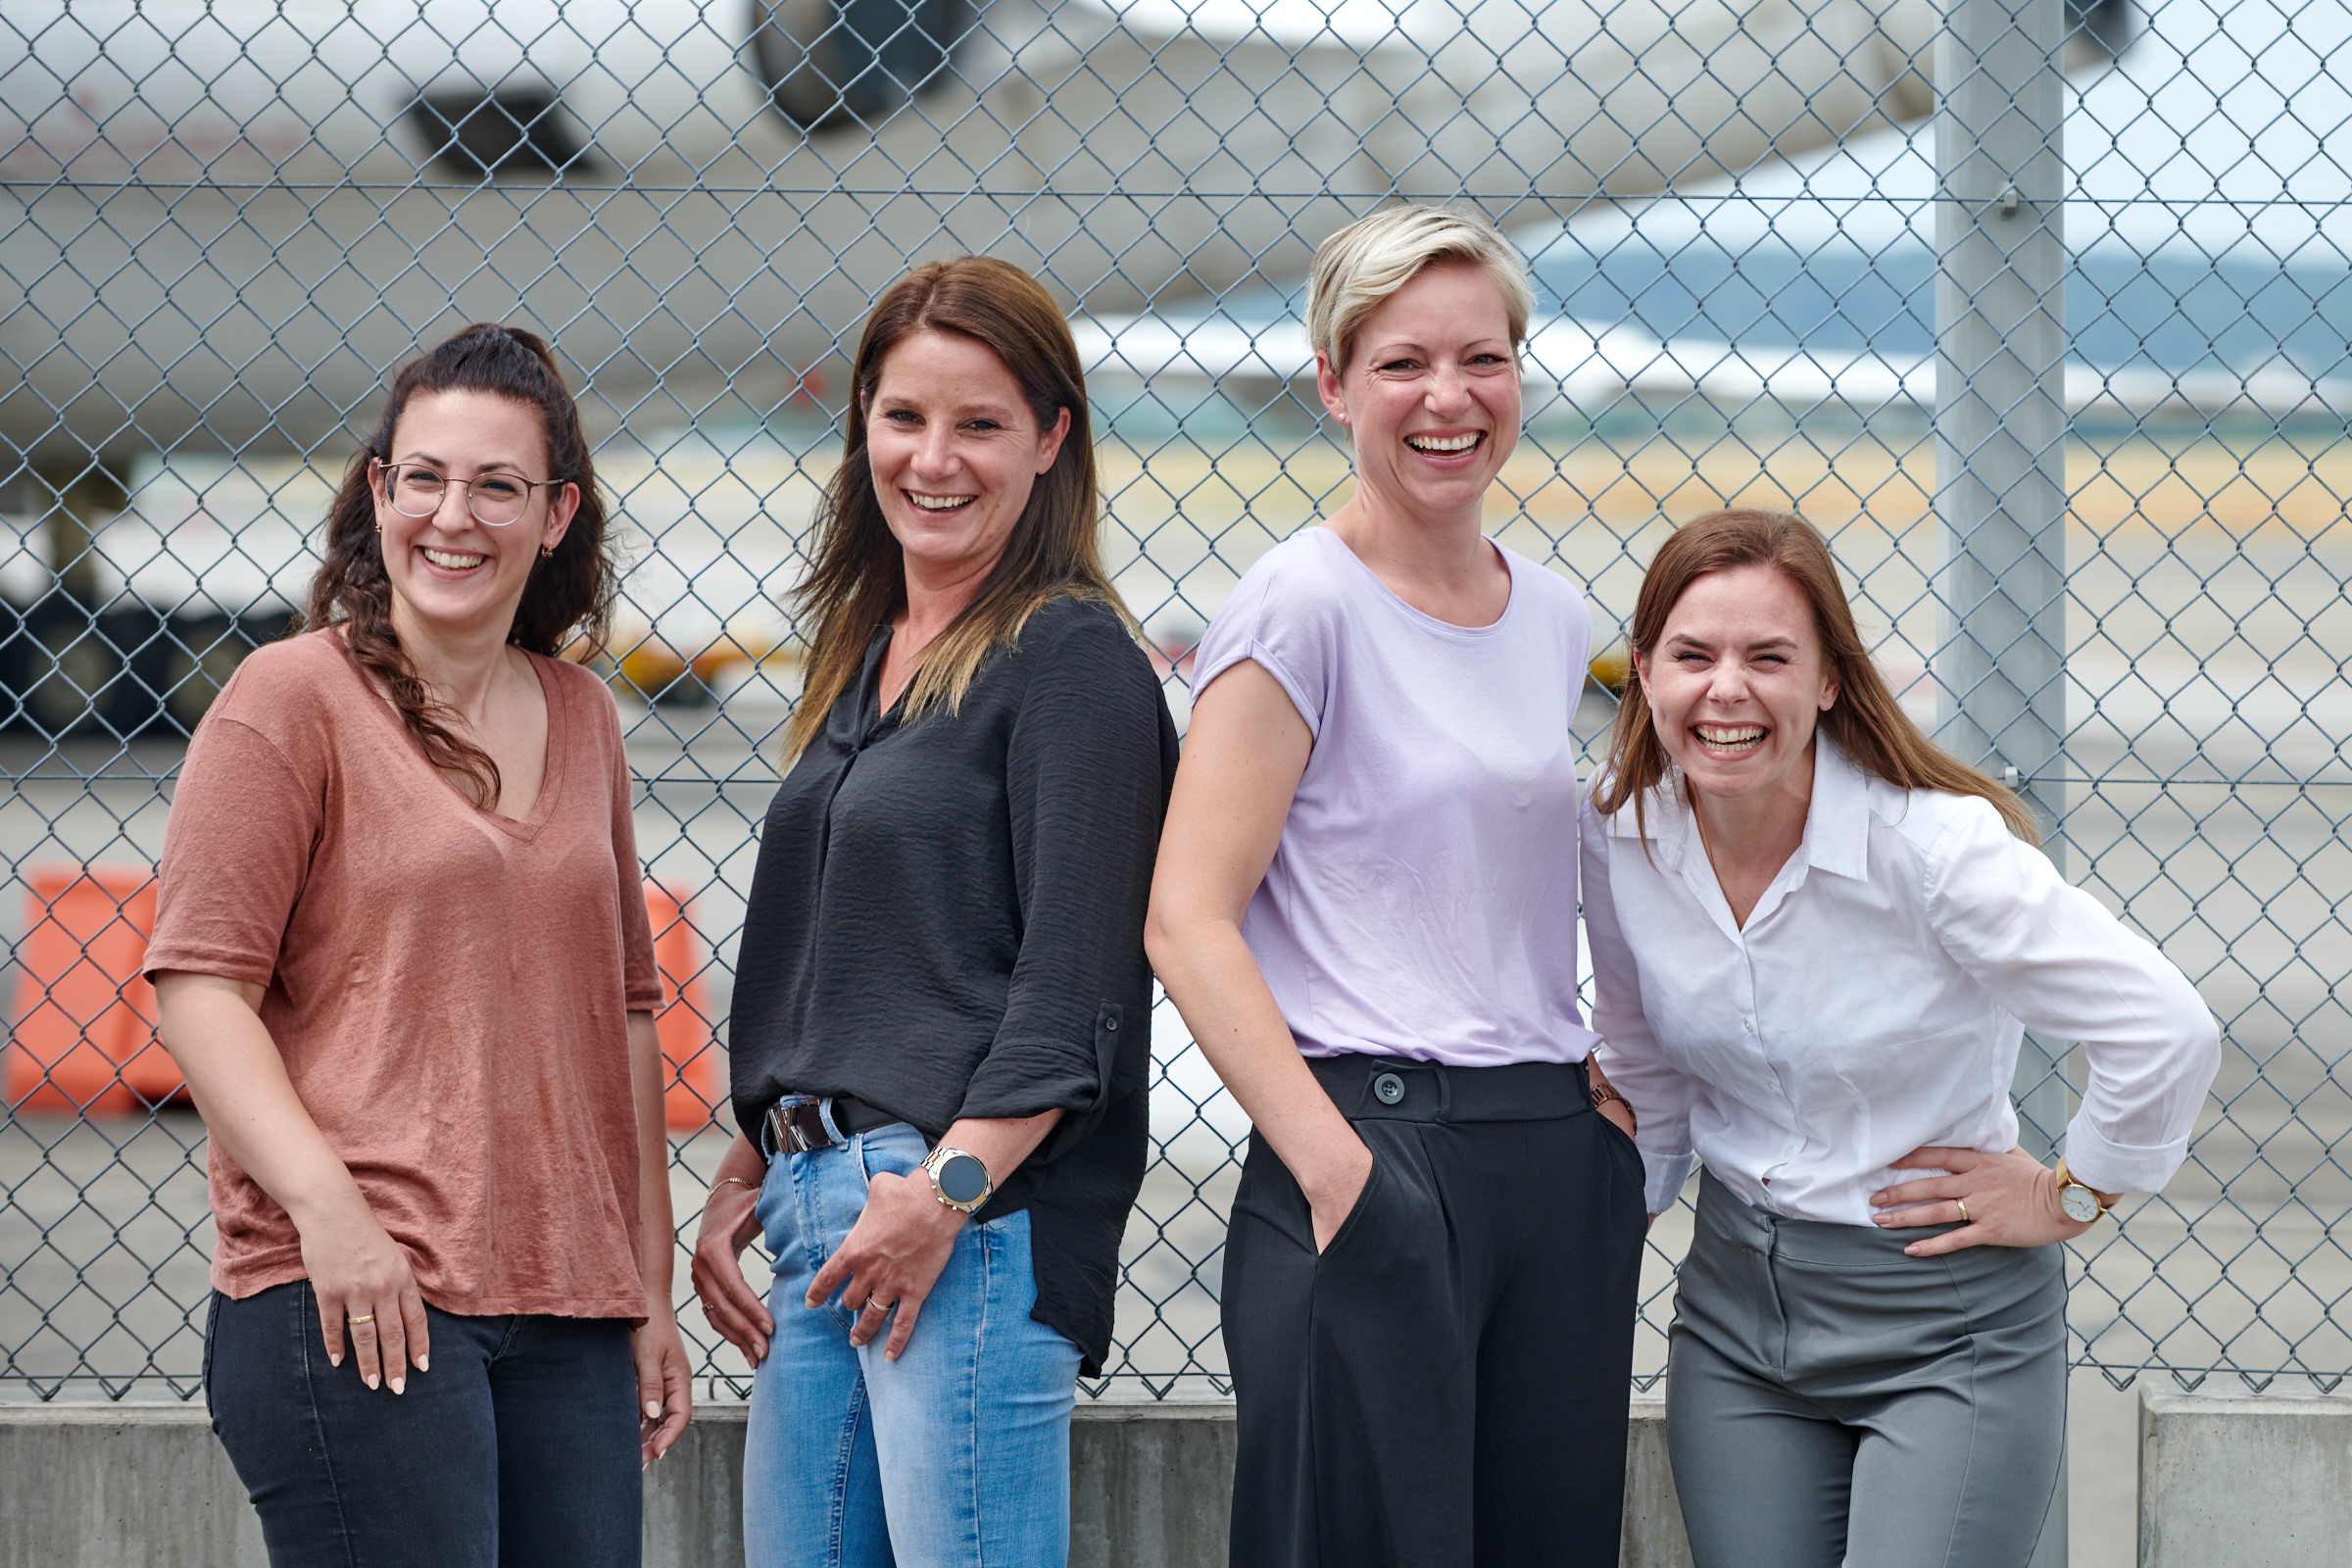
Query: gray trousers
(1831, 1401)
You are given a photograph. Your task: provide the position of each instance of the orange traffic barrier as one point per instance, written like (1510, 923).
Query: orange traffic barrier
(84, 1039)
(696, 1095)
(85, 1036)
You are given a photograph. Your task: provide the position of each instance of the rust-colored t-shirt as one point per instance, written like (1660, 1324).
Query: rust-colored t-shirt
(450, 988)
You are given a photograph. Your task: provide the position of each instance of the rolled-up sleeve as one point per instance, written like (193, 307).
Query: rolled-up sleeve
(2063, 965)
(1086, 787)
(1637, 1067)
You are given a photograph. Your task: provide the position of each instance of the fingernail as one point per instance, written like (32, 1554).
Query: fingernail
(335, 1358)
(653, 1409)
(400, 1385)
(424, 1365)
(368, 1378)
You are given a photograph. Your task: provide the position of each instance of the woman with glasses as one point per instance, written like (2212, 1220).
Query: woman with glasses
(942, 1018)
(401, 955)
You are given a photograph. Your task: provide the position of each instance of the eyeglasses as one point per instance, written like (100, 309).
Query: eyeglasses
(495, 499)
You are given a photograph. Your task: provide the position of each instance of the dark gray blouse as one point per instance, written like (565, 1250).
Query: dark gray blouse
(946, 920)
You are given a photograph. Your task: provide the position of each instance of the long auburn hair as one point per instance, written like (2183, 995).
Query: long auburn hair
(569, 594)
(857, 580)
(1867, 724)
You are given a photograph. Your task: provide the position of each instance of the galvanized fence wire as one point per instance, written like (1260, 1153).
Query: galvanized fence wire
(2060, 371)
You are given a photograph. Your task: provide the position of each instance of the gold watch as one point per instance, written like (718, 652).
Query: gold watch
(2080, 1204)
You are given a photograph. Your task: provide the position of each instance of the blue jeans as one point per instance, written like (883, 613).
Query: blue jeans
(520, 1449)
(958, 1452)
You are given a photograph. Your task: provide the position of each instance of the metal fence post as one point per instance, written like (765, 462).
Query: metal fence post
(2000, 442)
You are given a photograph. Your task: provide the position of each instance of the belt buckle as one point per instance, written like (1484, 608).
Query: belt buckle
(785, 1127)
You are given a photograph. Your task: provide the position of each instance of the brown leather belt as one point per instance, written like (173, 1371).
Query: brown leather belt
(796, 1126)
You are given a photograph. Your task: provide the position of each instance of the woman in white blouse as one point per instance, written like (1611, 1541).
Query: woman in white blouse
(1816, 942)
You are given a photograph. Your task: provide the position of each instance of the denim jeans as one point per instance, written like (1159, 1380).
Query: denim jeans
(519, 1448)
(957, 1453)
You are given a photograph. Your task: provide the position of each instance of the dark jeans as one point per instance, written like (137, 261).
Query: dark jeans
(520, 1448)
(1445, 1384)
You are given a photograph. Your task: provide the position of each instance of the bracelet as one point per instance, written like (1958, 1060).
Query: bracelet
(737, 1180)
(1603, 1094)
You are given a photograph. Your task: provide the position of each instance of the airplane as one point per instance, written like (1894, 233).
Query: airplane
(228, 219)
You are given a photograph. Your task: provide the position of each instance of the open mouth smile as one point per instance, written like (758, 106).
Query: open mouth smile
(1445, 446)
(451, 560)
(930, 503)
(1728, 740)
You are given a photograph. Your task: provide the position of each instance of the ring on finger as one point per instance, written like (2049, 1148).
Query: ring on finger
(358, 1318)
(872, 1306)
(1962, 1204)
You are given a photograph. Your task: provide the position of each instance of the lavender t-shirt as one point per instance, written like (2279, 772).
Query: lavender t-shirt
(1422, 900)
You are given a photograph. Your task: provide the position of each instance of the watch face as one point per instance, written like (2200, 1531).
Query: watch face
(2080, 1204)
(963, 1179)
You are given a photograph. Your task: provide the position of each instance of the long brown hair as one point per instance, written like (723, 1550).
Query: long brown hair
(1867, 724)
(859, 579)
(569, 594)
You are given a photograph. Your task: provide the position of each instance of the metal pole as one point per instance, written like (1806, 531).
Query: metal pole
(2000, 444)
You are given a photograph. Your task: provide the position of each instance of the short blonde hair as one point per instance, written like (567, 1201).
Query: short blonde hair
(1374, 256)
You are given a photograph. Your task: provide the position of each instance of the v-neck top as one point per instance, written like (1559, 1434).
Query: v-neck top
(946, 920)
(1875, 1000)
(449, 988)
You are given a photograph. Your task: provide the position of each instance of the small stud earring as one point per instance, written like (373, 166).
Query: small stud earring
(547, 552)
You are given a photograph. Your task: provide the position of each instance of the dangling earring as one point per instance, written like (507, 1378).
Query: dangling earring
(547, 552)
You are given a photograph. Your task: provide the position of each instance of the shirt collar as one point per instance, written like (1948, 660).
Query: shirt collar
(1838, 818)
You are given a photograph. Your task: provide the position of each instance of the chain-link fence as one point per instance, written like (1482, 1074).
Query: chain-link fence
(2058, 369)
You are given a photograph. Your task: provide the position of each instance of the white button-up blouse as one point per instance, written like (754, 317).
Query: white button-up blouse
(1875, 1001)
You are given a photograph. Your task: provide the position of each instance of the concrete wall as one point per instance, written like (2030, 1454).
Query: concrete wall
(2225, 1481)
(2256, 1480)
(146, 1486)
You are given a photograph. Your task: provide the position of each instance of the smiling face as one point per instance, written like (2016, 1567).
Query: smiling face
(1737, 683)
(954, 452)
(453, 576)
(1430, 391)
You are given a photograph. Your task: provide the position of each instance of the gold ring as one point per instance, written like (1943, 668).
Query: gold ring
(872, 1306)
(363, 1317)
(1964, 1220)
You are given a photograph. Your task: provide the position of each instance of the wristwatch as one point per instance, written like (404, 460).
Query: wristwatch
(2082, 1205)
(958, 1179)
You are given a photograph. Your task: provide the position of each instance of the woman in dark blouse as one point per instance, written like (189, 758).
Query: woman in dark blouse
(940, 1029)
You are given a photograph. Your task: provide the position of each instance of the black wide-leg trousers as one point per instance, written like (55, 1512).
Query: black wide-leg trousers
(1446, 1386)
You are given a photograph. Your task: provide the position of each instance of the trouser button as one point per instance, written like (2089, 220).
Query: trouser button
(1388, 1089)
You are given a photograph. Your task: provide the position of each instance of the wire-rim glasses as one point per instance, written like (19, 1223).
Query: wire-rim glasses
(495, 499)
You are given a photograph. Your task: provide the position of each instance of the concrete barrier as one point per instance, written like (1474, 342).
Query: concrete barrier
(2244, 1481)
(146, 1486)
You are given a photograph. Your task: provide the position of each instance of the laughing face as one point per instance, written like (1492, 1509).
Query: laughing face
(452, 575)
(1430, 391)
(954, 452)
(1738, 682)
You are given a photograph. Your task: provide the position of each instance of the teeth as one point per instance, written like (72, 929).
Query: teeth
(1717, 736)
(939, 503)
(450, 559)
(1449, 443)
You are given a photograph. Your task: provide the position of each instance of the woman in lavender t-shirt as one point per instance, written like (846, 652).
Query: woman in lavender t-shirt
(1365, 909)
